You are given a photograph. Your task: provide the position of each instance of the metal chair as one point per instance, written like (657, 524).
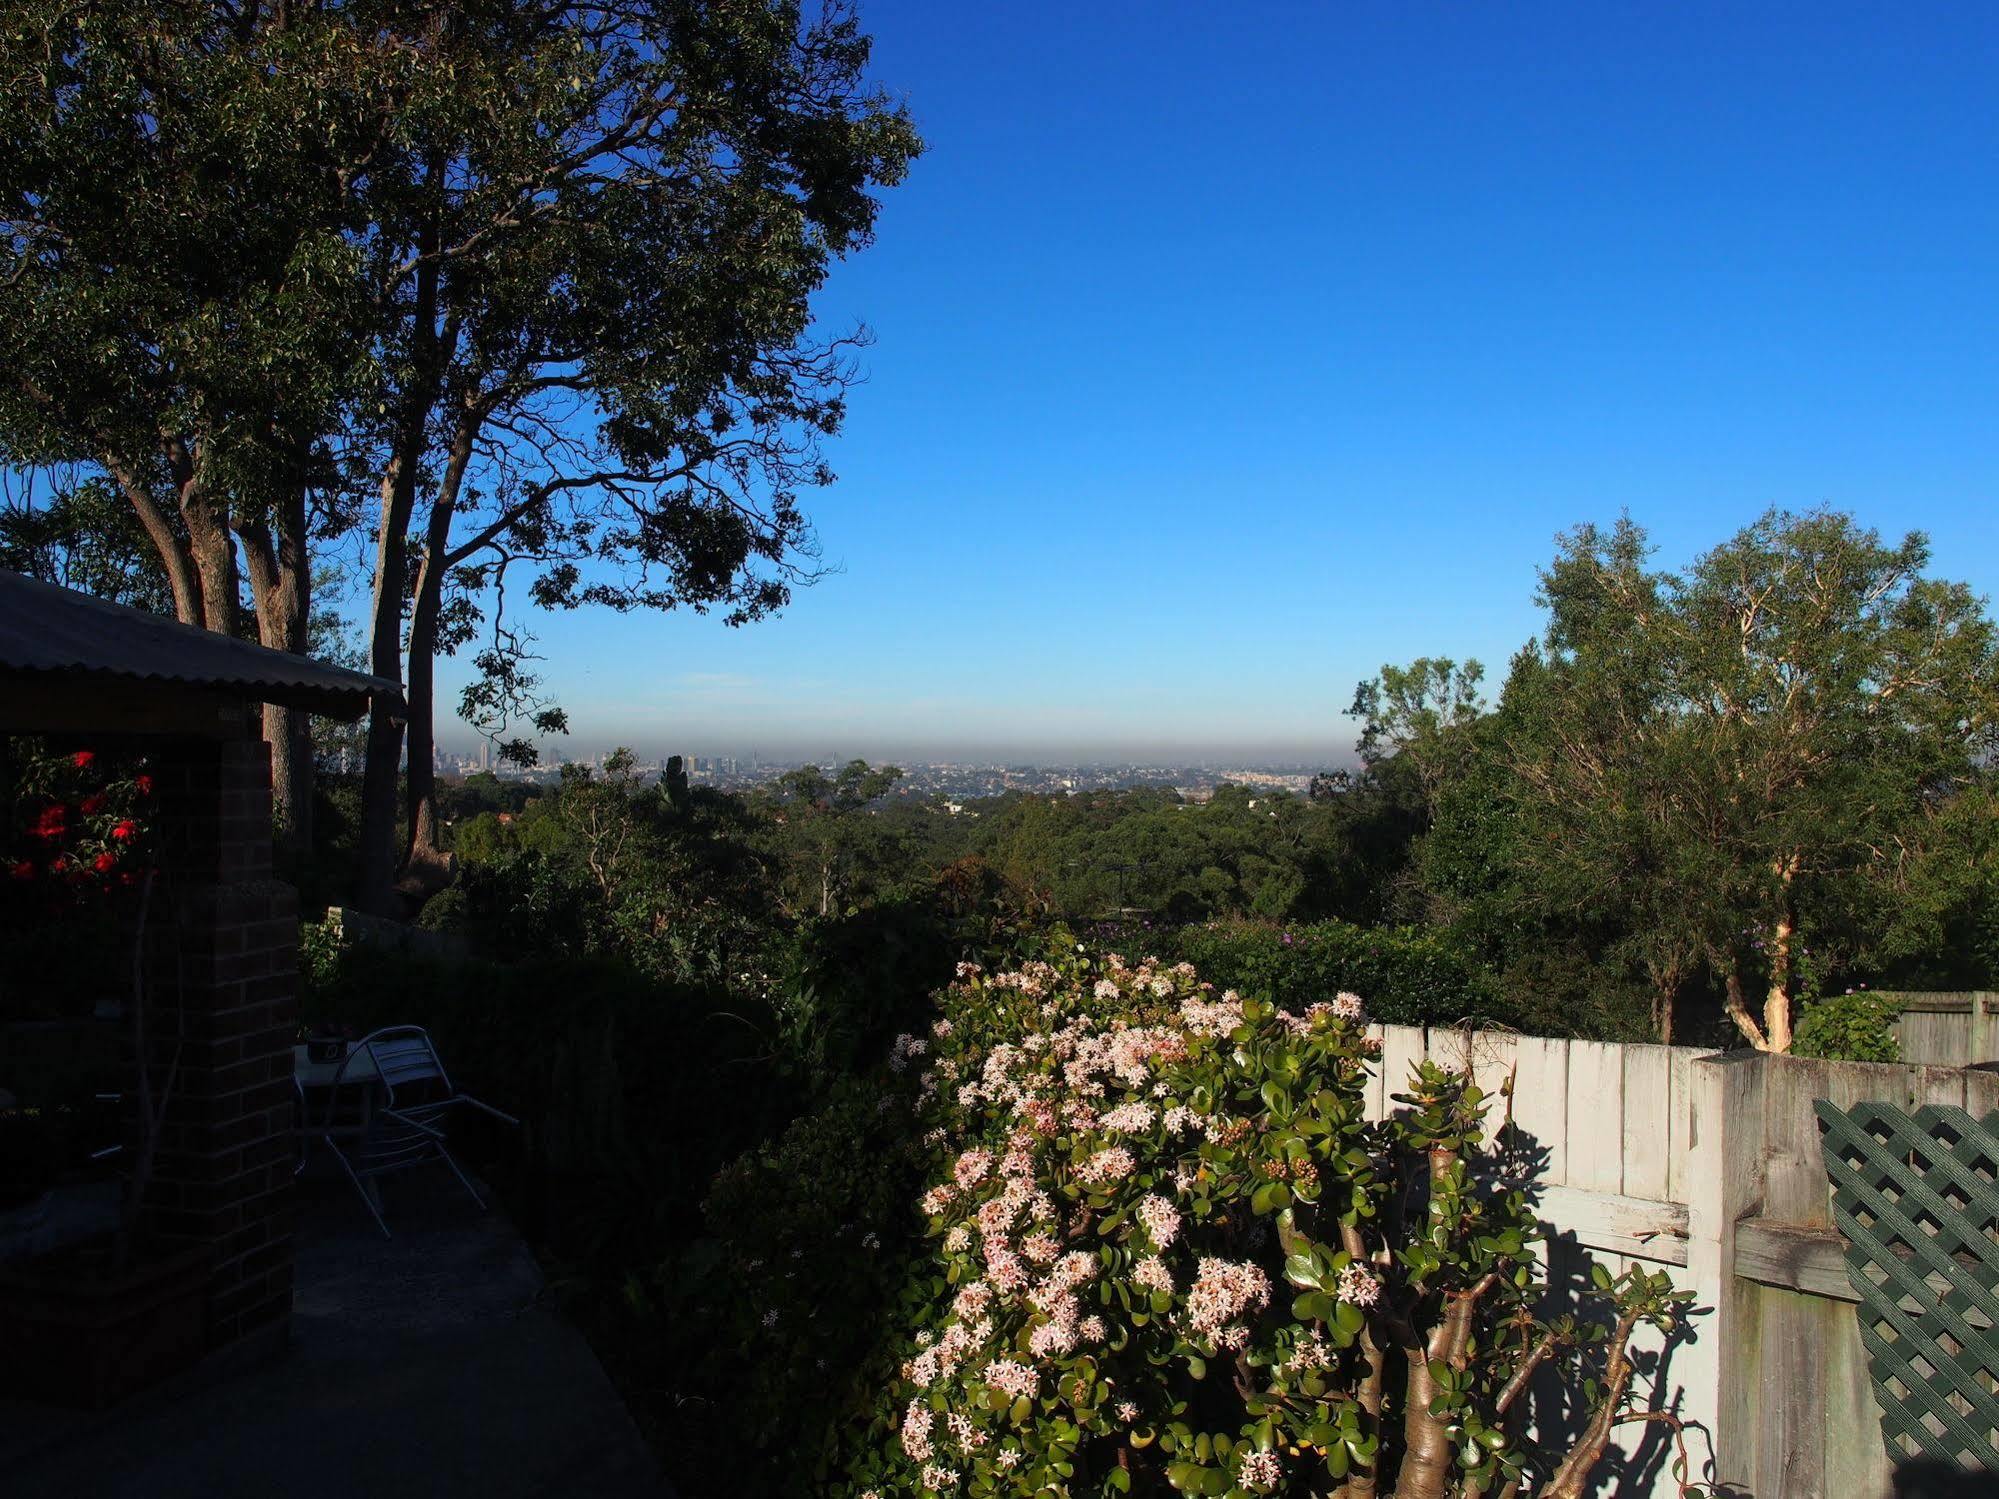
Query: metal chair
(405, 1128)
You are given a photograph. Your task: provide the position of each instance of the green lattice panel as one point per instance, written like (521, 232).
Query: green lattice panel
(1916, 1196)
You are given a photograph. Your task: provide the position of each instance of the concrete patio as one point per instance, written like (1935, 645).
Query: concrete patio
(430, 1364)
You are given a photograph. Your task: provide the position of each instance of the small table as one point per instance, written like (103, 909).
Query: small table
(324, 1116)
(311, 1074)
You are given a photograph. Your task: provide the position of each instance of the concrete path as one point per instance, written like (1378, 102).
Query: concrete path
(426, 1365)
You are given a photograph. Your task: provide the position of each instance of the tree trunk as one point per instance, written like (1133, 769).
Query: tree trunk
(421, 852)
(1777, 1000)
(209, 538)
(385, 727)
(280, 571)
(380, 771)
(1737, 1008)
(173, 553)
(424, 860)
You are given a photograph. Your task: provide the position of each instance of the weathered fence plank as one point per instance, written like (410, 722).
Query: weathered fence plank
(1402, 1047)
(1708, 1165)
(1725, 1139)
(1541, 1102)
(1947, 1029)
(1377, 1077)
(1635, 1226)
(1679, 1121)
(1595, 1117)
(1792, 1258)
(1645, 1148)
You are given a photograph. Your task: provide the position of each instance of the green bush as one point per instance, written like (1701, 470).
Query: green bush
(1849, 1028)
(1410, 977)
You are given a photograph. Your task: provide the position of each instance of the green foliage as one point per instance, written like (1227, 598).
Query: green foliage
(1412, 977)
(83, 536)
(1246, 850)
(1854, 1027)
(818, 1220)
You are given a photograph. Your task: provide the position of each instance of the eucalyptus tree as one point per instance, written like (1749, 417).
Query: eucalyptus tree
(181, 319)
(537, 278)
(595, 263)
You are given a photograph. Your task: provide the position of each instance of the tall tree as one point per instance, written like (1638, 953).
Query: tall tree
(539, 276)
(179, 297)
(1757, 755)
(828, 829)
(599, 262)
(1424, 710)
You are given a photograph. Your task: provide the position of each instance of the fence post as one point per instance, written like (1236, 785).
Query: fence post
(1725, 1178)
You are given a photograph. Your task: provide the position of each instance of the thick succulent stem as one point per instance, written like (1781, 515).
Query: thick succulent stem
(1573, 1475)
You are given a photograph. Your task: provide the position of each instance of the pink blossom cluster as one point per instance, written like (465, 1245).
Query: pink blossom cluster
(916, 1432)
(1357, 1286)
(1218, 1018)
(1161, 1219)
(1308, 1353)
(1151, 1273)
(1011, 1377)
(1024, 1251)
(1132, 1118)
(1113, 1164)
(1224, 1290)
(1261, 1471)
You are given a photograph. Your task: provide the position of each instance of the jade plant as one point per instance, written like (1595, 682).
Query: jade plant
(1167, 1251)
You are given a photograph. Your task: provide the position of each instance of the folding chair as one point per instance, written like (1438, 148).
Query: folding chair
(406, 1126)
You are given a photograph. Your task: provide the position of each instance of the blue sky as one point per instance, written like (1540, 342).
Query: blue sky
(1225, 352)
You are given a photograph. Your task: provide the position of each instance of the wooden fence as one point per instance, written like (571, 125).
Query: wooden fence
(1709, 1165)
(1948, 1030)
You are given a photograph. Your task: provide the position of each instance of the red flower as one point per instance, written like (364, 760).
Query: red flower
(105, 862)
(92, 804)
(24, 870)
(145, 785)
(53, 822)
(126, 831)
(82, 758)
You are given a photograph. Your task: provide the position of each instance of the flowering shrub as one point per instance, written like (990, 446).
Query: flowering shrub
(74, 841)
(75, 820)
(1167, 1250)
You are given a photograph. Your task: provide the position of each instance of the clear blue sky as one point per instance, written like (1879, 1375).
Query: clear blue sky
(1225, 352)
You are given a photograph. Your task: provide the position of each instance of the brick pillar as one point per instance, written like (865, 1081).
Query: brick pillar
(222, 961)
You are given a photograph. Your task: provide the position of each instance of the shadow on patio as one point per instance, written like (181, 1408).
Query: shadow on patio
(428, 1364)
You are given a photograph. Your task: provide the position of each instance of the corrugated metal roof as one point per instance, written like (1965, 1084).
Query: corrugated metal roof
(44, 628)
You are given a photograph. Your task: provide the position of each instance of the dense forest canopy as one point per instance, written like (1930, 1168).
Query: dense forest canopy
(1726, 792)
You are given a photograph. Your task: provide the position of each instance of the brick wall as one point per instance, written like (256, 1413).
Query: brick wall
(222, 958)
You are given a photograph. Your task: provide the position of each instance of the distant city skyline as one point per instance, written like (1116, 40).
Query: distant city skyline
(1218, 362)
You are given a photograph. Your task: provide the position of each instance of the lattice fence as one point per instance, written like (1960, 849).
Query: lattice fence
(1916, 1197)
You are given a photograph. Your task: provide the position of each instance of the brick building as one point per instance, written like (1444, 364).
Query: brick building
(220, 952)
